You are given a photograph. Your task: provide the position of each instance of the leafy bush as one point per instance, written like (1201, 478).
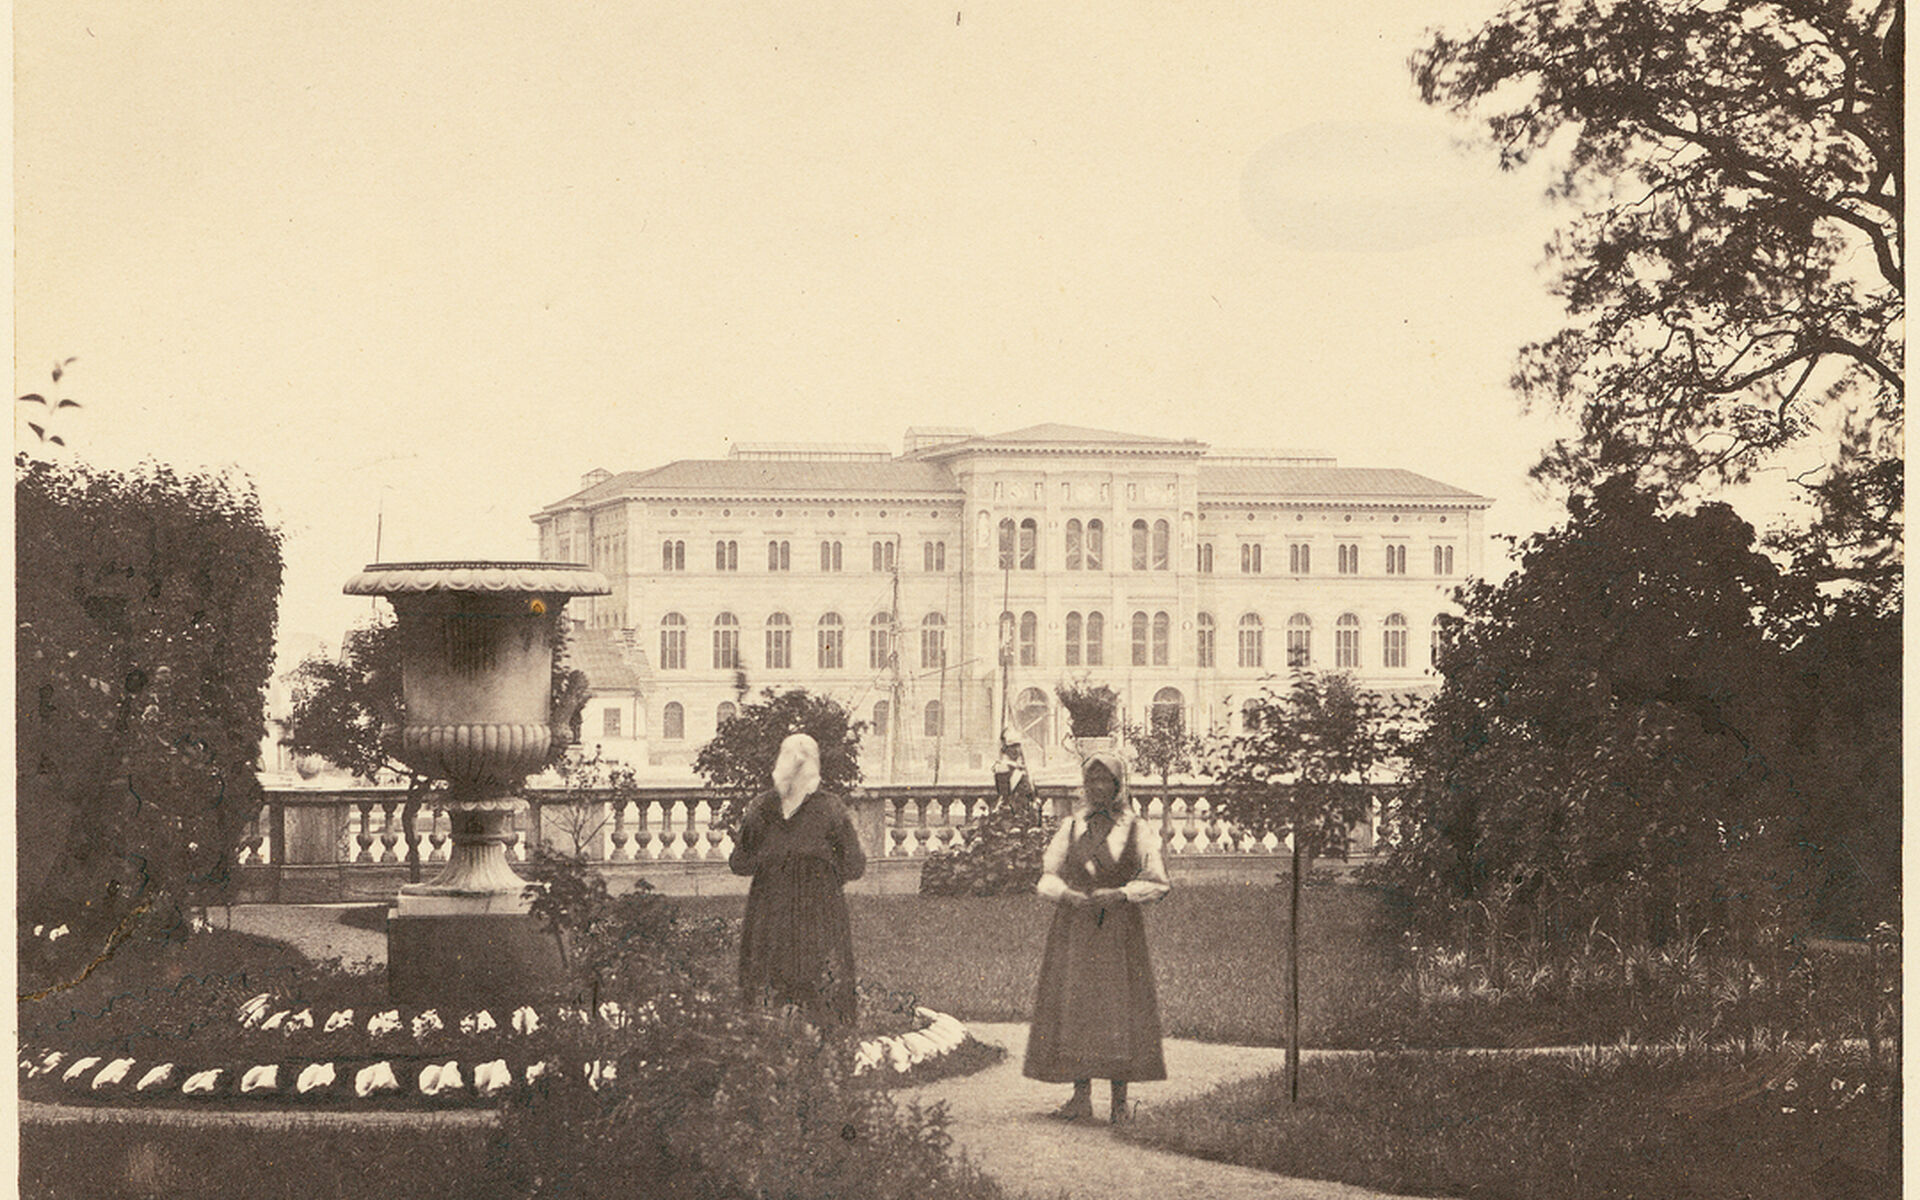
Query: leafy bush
(1090, 707)
(1000, 858)
(739, 760)
(145, 606)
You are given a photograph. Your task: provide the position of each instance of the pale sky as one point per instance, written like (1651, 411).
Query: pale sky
(440, 259)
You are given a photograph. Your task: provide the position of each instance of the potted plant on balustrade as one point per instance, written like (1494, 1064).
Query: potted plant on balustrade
(1090, 715)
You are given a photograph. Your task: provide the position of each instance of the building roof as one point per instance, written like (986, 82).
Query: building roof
(608, 663)
(739, 477)
(1356, 484)
(1055, 437)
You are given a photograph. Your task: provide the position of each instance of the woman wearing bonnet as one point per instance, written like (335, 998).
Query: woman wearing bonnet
(799, 845)
(1095, 1015)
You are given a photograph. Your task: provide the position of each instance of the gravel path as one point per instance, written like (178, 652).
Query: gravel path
(1000, 1119)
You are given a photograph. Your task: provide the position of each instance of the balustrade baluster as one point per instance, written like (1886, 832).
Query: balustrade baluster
(644, 844)
(621, 839)
(365, 837)
(675, 820)
(389, 835)
(699, 822)
(442, 828)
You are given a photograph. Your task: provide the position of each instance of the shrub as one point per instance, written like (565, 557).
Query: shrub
(145, 606)
(739, 760)
(1000, 858)
(1090, 707)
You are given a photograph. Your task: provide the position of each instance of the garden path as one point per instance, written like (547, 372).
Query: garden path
(1000, 1118)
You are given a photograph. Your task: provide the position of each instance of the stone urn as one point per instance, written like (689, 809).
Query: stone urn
(476, 674)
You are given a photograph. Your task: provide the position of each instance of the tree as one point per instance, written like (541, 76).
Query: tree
(145, 606)
(1090, 707)
(1300, 770)
(1161, 747)
(1621, 733)
(739, 760)
(1736, 279)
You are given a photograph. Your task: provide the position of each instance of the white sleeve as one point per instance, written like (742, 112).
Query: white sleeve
(1151, 883)
(1051, 885)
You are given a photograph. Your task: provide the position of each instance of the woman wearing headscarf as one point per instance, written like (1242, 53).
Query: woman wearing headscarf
(799, 845)
(1095, 1015)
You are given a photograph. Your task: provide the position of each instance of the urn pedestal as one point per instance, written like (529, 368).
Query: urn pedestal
(476, 675)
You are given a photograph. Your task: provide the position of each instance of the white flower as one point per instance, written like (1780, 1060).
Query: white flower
(434, 1080)
(275, 1021)
(57, 932)
(491, 1077)
(79, 1068)
(613, 1014)
(254, 1009)
(920, 1047)
(300, 1020)
(898, 1055)
(263, 1078)
(479, 1022)
(115, 1072)
(201, 1081)
(339, 1021)
(427, 1022)
(525, 1020)
(376, 1078)
(38, 930)
(868, 1056)
(386, 1022)
(598, 1072)
(316, 1075)
(160, 1076)
(535, 1071)
(48, 1063)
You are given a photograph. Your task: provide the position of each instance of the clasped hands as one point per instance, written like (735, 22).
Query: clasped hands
(1101, 896)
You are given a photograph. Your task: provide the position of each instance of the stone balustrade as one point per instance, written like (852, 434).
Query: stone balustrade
(359, 844)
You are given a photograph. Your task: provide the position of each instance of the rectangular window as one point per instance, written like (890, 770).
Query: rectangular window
(1346, 646)
(1162, 639)
(1203, 562)
(673, 649)
(1096, 640)
(830, 656)
(610, 722)
(1029, 544)
(1203, 644)
(779, 648)
(726, 649)
(1393, 646)
(1096, 543)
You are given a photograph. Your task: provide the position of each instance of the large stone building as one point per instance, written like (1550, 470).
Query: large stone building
(944, 591)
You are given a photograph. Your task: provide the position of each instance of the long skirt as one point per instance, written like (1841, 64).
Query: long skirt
(1095, 1015)
(796, 945)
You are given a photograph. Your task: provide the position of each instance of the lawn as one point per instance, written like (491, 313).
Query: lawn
(1599, 1126)
(1219, 957)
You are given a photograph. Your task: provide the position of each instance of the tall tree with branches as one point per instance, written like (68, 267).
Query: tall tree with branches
(1735, 279)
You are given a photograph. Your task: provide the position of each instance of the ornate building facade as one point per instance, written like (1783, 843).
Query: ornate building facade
(942, 592)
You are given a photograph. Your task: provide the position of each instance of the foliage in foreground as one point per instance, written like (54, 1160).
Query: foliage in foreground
(1785, 1124)
(145, 606)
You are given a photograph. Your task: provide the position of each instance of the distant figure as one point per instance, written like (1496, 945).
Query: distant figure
(799, 845)
(1012, 783)
(1095, 1015)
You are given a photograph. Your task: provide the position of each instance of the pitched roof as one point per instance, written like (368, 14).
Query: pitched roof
(608, 665)
(1054, 436)
(692, 476)
(1358, 484)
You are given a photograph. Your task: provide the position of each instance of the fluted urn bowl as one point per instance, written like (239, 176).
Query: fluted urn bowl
(476, 673)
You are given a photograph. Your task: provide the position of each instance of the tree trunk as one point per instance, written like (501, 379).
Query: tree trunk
(1293, 975)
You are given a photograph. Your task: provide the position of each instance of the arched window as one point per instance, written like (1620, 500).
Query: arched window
(673, 555)
(1029, 639)
(673, 722)
(726, 556)
(933, 641)
(1248, 708)
(1096, 639)
(1007, 533)
(1393, 642)
(934, 556)
(1249, 558)
(1139, 545)
(1097, 540)
(1203, 558)
(881, 711)
(721, 715)
(936, 725)
(1008, 630)
(1030, 716)
(779, 643)
(879, 641)
(1162, 546)
(1300, 558)
(1253, 642)
(1167, 715)
(1162, 639)
(673, 642)
(829, 556)
(1299, 641)
(1396, 560)
(1443, 560)
(726, 642)
(1434, 641)
(1029, 544)
(1073, 544)
(883, 556)
(1346, 641)
(1349, 559)
(779, 556)
(831, 647)
(1073, 639)
(1139, 639)
(1203, 640)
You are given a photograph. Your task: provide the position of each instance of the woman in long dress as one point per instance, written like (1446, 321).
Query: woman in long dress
(1095, 1015)
(799, 845)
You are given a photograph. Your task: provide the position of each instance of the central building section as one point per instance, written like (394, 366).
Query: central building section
(941, 593)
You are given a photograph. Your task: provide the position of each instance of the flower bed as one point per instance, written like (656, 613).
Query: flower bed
(393, 1057)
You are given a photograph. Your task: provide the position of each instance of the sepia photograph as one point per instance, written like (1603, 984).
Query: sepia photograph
(762, 601)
